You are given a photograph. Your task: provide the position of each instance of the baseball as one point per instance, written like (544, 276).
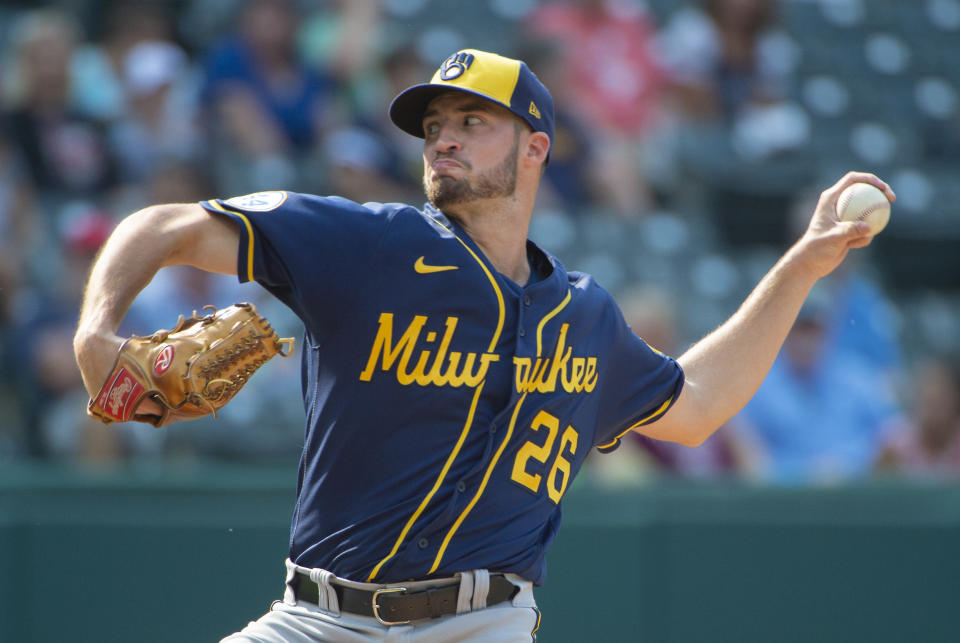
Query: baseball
(864, 202)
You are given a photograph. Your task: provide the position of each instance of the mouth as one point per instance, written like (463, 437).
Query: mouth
(443, 165)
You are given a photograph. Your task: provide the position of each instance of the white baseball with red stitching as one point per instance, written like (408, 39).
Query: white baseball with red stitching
(864, 202)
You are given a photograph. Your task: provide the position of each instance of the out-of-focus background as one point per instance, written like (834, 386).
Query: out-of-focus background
(693, 137)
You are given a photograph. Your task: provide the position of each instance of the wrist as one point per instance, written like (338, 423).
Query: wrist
(799, 264)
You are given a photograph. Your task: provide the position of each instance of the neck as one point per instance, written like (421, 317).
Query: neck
(499, 228)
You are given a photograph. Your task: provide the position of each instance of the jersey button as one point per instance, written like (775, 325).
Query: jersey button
(523, 332)
(526, 300)
(423, 543)
(461, 486)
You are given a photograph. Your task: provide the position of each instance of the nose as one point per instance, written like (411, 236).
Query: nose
(446, 140)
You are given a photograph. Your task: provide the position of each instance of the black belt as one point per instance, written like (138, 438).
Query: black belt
(392, 605)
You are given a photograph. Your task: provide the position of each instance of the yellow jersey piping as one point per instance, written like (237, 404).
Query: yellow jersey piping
(646, 420)
(483, 486)
(436, 485)
(463, 433)
(496, 289)
(249, 227)
(547, 318)
(503, 445)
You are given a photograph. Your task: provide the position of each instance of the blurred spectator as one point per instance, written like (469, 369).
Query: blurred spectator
(718, 58)
(368, 158)
(16, 222)
(160, 125)
(615, 81)
(931, 447)
(822, 414)
(343, 37)
(50, 389)
(360, 166)
(65, 153)
(97, 67)
(16, 237)
(607, 49)
(730, 71)
(571, 182)
(265, 106)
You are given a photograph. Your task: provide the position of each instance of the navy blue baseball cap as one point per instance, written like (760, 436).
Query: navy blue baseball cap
(505, 81)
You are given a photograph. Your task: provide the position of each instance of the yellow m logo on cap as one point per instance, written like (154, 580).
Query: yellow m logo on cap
(455, 65)
(490, 75)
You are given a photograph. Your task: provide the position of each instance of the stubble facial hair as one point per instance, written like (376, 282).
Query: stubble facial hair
(500, 181)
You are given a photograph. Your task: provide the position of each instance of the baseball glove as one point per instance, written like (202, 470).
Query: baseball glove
(190, 371)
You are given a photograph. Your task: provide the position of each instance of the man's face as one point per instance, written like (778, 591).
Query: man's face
(470, 150)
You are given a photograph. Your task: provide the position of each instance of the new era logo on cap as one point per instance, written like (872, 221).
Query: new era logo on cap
(502, 80)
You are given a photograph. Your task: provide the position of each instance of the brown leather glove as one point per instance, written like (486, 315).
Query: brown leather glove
(190, 371)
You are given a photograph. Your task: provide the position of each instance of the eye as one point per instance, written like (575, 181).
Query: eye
(472, 120)
(430, 129)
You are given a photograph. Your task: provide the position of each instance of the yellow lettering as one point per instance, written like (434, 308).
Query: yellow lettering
(441, 370)
(571, 383)
(560, 357)
(435, 376)
(541, 375)
(382, 345)
(485, 361)
(522, 373)
(418, 374)
(590, 377)
(536, 377)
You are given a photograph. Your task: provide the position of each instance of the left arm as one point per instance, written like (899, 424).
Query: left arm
(724, 369)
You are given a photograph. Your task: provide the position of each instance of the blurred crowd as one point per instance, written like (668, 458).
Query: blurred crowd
(685, 160)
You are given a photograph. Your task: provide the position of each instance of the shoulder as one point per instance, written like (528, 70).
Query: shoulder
(585, 287)
(302, 203)
(593, 303)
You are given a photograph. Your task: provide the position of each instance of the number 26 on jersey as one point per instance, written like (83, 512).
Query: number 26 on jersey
(529, 474)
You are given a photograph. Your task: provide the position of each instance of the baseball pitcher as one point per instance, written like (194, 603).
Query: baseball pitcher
(455, 374)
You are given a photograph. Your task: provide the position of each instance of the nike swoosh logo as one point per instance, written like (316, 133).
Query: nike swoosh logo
(424, 269)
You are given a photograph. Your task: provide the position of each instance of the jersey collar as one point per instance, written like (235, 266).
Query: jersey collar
(543, 265)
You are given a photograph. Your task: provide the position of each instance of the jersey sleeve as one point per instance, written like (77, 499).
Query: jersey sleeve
(640, 386)
(313, 253)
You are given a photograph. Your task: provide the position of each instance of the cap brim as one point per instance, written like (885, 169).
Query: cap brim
(407, 109)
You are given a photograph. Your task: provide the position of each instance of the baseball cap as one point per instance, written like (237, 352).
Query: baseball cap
(505, 81)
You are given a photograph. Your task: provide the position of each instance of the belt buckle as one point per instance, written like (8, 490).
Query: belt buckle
(376, 608)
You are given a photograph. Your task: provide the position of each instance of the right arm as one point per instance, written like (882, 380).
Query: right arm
(144, 242)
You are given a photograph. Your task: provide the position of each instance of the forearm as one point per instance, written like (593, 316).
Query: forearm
(137, 249)
(144, 242)
(725, 368)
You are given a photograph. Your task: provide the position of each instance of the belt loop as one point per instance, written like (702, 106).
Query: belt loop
(465, 595)
(327, 595)
(288, 596)
(481, 587)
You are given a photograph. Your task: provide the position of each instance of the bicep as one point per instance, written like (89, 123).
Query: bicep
(207, 240)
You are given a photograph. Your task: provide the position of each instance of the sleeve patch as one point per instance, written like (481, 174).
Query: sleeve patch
(258, 201)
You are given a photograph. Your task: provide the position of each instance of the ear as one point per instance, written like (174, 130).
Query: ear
(538, 146)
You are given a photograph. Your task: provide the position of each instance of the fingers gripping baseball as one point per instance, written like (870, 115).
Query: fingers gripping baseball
(828, 239)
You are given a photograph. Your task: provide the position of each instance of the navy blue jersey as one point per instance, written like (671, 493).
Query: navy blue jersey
(447, 408)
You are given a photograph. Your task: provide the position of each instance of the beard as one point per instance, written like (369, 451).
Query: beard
(499, 181)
